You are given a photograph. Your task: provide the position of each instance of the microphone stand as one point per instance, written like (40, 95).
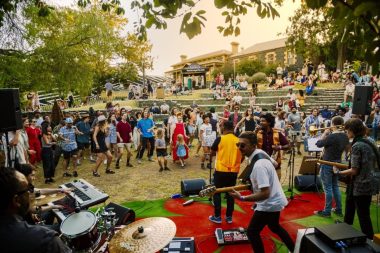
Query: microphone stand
(291, 173)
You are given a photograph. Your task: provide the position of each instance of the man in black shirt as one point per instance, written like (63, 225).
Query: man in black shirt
(334, 144)
(16, 235)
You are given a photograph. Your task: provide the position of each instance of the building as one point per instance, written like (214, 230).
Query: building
(270, 52)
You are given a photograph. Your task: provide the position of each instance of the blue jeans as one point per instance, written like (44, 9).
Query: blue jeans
(374, 131)
(330, 185)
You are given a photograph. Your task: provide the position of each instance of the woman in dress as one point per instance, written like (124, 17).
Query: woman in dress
(248, 121)
(101, 149)
(178, 128)
(207, 138)
(34, 134)
(300, 99)
(48, 141)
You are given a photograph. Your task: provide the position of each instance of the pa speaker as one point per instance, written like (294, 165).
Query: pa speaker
(307, 183)
(10, 102)
(124, 214)
(362, 100)
(192, 186)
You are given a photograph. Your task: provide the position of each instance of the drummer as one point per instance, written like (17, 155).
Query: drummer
(37, 212)
(15, 234)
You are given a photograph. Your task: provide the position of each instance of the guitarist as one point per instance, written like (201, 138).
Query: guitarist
(270, 140)
(267, 193)
(334, 143)
(227, 166)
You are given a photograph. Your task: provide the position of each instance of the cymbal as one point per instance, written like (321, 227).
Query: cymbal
(143, 236)
(45, 199)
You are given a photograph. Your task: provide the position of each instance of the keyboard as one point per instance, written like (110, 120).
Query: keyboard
(83, 194)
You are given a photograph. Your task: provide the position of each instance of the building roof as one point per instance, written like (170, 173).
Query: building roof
(204, 56)
(263, 46)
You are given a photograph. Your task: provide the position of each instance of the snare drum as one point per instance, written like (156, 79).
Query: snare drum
(80, 230)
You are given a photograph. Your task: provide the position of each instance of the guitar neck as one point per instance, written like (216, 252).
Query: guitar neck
(230, 189)
(338, 165)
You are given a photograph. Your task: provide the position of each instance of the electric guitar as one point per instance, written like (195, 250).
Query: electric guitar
(340, 166)
(211, 189)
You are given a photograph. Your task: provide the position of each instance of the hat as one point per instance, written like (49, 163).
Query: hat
(101, 118)
(85, 115)
(69, 121)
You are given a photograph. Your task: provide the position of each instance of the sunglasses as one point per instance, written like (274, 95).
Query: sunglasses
(240, 145)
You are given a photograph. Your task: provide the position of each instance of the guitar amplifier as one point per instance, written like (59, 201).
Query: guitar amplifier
(231, 236)
(180, 245)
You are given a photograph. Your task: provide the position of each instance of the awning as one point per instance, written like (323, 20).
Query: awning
(194, 68)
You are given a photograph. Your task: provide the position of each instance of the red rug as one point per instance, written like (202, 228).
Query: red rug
(192, 221)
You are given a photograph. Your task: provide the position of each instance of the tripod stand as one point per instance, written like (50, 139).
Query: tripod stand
(291, 172)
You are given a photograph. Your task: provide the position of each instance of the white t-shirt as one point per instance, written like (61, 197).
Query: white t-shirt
(264, 175)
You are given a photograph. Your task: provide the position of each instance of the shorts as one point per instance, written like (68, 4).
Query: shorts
(191, 129)
(82, 146)
(68, 154)
(126, 145)
(161, 152)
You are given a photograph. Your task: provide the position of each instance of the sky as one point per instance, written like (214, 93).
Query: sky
(169, 44)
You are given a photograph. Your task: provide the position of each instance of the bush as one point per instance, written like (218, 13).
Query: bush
(259, 77)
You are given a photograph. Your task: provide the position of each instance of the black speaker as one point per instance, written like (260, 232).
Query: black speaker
(124, 214)
(307, 183)
(192, 186)
(10, 102)
(362, 100)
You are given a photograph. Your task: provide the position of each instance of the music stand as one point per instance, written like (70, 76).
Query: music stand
(312, 147)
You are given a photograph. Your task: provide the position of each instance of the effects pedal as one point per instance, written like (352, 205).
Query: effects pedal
(231, 236)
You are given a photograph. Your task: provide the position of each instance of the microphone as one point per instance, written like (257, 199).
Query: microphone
(190, 201)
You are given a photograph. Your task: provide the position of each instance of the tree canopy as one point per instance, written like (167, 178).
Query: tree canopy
(72, 50)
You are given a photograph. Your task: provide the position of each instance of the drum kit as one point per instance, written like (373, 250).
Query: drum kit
(97, 232)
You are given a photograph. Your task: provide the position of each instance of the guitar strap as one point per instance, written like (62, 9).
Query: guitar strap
(245, 175)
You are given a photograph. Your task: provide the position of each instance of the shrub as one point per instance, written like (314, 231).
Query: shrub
(259, 77)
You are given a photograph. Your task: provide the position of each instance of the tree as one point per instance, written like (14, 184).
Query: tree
(71, 50)
(250, 67)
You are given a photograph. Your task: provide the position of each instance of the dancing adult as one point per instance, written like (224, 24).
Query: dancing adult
(267, 194)
(48, 140)
(99, 137)
(178, 128)
(207, 138)
(235, 117)
(34, 134)
(248, 121)
(334, 144)
(364, 159)
(145, 127)
(124, 139)
(227, 166)
(83, 140)
(69, 146)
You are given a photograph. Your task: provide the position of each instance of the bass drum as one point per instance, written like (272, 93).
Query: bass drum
(80, 230)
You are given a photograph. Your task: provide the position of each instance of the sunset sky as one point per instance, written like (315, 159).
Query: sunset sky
(168, 44)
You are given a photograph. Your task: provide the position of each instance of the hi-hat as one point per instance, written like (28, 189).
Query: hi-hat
(143, 236)
(45, 199)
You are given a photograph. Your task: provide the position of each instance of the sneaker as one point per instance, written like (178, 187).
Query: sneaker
(229, 219)
(47, 181)
(161, 169)
(110, 172)
(139, 161)
(51, 180)
(322, 214)
(151, 159)
(299, 152)
(202, 166)
(166, 168)
(117, 166)
(75, 173)
(214, 219)
(67, 174)
(129, 165)
(95, 174)
(105, 162)
(93, 160)
(78, 162)
(340, 214)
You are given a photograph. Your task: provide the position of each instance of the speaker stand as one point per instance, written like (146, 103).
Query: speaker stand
(9, 164)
